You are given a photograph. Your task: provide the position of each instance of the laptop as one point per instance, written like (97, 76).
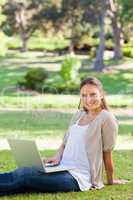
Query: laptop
(26, 154)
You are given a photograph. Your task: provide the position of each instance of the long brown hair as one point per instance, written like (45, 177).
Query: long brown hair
(94, 81)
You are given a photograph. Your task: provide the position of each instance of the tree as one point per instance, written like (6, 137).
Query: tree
(95, 12)
(113, 11)
(3, 37)
(126, 19)
(72, 15)
(99, 63)
(21, 17)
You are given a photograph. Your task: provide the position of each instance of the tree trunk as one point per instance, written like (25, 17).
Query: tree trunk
(24, 42)
(117, 37)
(116, 27)
(72, 42)
(20, 19)
(71, 48)
(99, 63)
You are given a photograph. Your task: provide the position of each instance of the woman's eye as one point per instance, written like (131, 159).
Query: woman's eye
(83, 95)
(92, 95)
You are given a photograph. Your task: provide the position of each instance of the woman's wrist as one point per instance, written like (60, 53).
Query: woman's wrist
(110, 182)
(110, 179)
(58, 156)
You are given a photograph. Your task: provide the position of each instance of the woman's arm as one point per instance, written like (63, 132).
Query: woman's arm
(109, 167)
(60, 151)
(57, 158)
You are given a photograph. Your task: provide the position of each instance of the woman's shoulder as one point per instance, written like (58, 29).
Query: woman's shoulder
(108, 115)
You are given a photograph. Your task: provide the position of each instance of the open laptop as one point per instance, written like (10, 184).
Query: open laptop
(26, 154)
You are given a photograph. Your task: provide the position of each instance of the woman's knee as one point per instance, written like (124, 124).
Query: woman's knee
(23, 171)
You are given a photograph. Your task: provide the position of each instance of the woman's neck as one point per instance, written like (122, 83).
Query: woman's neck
(94, 112)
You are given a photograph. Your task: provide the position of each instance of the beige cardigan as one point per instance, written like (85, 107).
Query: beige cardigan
(101, 137)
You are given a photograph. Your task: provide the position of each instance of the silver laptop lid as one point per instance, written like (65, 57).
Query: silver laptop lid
(25, 153)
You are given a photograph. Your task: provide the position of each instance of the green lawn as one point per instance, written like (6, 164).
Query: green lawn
(28, 101)
(117, 84)
(42, 124)
(123, 167)
(46, 124)
(39, 43)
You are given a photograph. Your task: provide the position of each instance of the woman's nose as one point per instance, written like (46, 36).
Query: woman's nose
(88, 99)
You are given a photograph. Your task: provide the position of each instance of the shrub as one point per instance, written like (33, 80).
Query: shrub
(34, 78)
(57, 86)
(109, 35)
(92, 53)
(69, 68)
(109, 45)
(128, 52)
(7, 29)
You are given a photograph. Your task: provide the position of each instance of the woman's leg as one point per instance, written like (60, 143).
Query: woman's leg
(52, 182)
(31, 180)
(14, 182)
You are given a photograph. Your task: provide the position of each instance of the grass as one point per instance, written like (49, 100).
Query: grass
(43, 124)
(40, 43)
(33, 124)
(117, 84)
(27, 101)
(123, 166)
(46, 124)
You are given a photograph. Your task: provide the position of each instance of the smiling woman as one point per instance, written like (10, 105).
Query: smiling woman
(88, 143)
(92, 94)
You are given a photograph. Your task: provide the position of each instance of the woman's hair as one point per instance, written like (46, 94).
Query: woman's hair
(94, 81)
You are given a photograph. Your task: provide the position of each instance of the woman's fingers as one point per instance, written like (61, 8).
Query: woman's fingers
(52, 160)
(49, 160)
(120, 181)
(124, 181)
(45, 160)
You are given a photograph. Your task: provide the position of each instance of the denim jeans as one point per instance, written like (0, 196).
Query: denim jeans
(27, 179)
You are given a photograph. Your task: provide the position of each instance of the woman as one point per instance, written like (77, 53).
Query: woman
(87, 144)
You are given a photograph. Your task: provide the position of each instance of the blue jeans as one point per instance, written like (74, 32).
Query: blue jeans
(27, 179)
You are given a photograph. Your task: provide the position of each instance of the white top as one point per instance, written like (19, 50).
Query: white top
(100, 136)
(75, 156)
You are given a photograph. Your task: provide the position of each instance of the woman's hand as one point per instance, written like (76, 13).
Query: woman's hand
(118, 182)
(53, 160)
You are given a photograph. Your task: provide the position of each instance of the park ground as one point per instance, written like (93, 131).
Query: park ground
(28, 114)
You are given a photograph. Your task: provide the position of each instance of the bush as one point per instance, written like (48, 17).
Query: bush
(69, 68)
(109, 36)
(67, 81)
(92, 53)
(7, 29)
(57, 86)
(109, 45)
(128, 52)
(34, 79)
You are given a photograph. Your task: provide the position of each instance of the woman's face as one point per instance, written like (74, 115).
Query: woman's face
(90, 97)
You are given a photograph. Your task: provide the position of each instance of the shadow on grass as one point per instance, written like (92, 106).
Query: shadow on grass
(114, 83)
(39, 121)
(9, 77)
(42, 123)
(119, 82)
(125, 118)
(34, 122)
